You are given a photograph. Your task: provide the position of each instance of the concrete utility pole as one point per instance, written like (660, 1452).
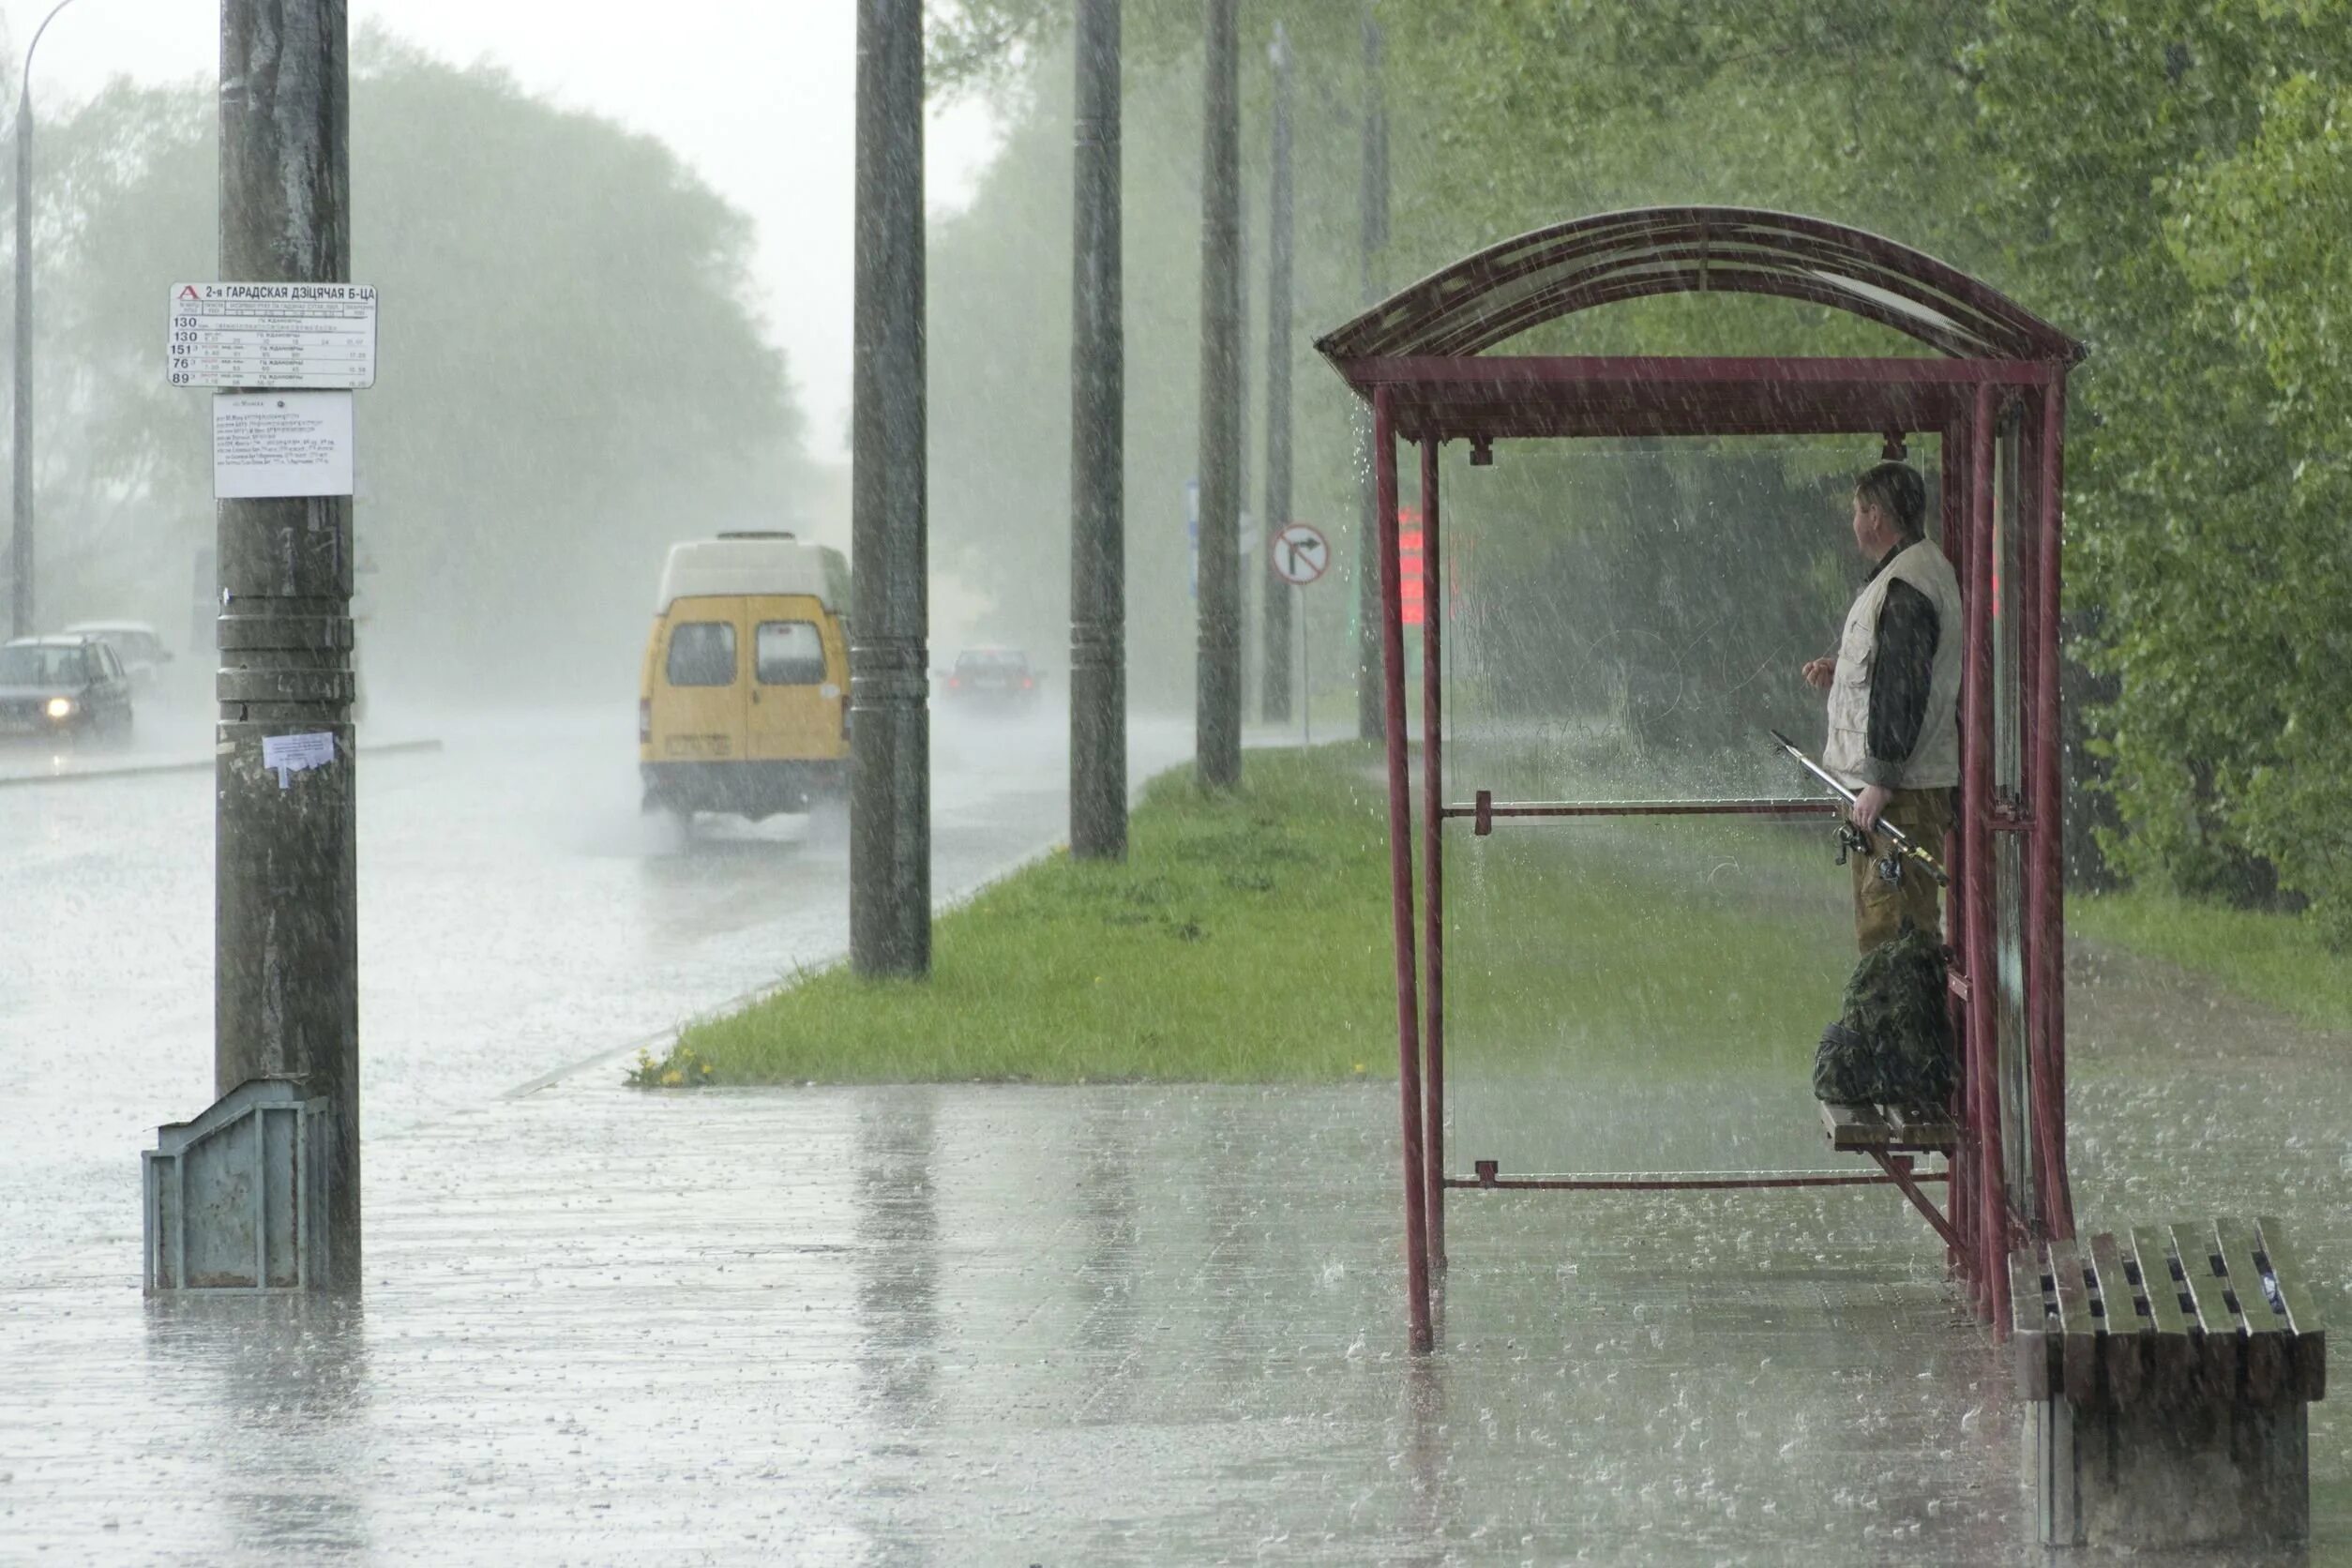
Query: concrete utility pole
(890, 760)
(1275, 687)
(1098, 391)
(285, 921)
(1373, 202)
(1241, 429)
(1217, 741)
(23, 609)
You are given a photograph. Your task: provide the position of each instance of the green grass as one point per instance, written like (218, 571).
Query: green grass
(2273, 958)
(1247, 940)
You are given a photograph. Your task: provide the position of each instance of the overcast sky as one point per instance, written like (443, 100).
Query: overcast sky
(757, 95)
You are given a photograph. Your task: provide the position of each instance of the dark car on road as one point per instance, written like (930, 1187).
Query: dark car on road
(63, 688)
(142, 652)
(992, 678)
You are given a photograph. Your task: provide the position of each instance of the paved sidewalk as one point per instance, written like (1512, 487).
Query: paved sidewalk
(1006, 1325)
(1104, 1325)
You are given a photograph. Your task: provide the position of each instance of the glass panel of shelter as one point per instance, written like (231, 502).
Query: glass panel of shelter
(1642, 992)
(2014, 522)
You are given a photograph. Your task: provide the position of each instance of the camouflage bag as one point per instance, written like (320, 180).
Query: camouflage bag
(1891, 1044)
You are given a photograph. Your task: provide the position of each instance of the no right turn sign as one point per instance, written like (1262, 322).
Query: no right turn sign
(1301, 554)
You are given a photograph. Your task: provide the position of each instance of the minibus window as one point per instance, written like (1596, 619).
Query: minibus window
(702, 652)
(789, 652)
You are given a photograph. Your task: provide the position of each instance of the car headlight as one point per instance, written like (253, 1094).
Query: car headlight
(61, 707)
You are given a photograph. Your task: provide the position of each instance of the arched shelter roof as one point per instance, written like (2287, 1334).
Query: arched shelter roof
(1433, 336)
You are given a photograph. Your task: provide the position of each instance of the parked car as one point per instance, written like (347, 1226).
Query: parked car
(65, 687)
(135, 644)
(992, 678)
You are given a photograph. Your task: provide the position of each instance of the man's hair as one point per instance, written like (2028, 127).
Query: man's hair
(1899, 493)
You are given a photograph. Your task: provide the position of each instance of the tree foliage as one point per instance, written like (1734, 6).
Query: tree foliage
(571, 373)
(2166, 179)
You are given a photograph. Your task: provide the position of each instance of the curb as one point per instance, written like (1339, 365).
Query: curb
(144, 770)
(663, 1037)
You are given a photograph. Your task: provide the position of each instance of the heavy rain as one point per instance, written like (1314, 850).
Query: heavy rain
(1049, 781)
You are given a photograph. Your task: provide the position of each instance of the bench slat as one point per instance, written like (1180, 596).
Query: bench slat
(2030, 1320)
(2075, 1321)
(2128, 1329)
(1863, 1129)
(1925, 1129)
(2311, 1336)
(1853, 1129)
(2174, 1364)
(2194, 1245)
(2269, 1371)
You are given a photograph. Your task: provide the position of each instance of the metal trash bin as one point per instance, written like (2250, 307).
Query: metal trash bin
(237, 1198)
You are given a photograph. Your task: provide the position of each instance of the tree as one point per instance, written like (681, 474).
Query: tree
(572, 374)
(2165, 180)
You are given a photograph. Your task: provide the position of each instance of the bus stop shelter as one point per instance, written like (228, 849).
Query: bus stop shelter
(1990, 384)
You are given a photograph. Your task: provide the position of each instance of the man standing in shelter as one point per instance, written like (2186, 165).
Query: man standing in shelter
(1894, 698)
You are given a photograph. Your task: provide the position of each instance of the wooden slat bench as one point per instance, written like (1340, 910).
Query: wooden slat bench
(2171, 1369)
(1888, 1129)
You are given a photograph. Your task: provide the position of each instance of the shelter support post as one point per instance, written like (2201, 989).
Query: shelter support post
(2047, 977)
(1400, 868)
(1984, 1133)
(1953, 482)
(2021, 468)
(1433, 849)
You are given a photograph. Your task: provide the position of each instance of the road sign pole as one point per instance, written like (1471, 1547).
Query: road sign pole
(286, 950)
(1306, 686)
(1299, 554)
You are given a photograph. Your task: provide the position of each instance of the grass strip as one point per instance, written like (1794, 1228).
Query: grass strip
(1247, 939)
(2277, 959)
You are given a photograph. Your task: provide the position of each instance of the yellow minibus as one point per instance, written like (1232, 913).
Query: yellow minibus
(744, 705)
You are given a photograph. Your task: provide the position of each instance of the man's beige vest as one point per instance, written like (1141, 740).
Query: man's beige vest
(1934, 762)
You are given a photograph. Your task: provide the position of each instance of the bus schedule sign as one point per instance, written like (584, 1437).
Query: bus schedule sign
(254, 336)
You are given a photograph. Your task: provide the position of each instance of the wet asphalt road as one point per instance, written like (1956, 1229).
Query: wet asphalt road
(516, 915)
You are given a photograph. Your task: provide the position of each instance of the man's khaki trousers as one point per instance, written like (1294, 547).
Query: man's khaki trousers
(1880, 906)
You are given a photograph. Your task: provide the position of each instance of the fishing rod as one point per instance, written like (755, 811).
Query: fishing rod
(1900, 845)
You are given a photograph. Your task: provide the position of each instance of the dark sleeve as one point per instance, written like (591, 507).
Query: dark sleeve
(1898, 681)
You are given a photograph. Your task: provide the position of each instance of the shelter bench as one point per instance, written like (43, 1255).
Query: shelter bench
(1890, 1129)
(1894, 1135)
(2171, 1369)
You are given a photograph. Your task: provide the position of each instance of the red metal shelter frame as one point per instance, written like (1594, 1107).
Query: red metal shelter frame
(1996, 397)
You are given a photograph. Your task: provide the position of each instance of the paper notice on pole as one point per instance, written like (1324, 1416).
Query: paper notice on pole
(288, 755)
(280, 444)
